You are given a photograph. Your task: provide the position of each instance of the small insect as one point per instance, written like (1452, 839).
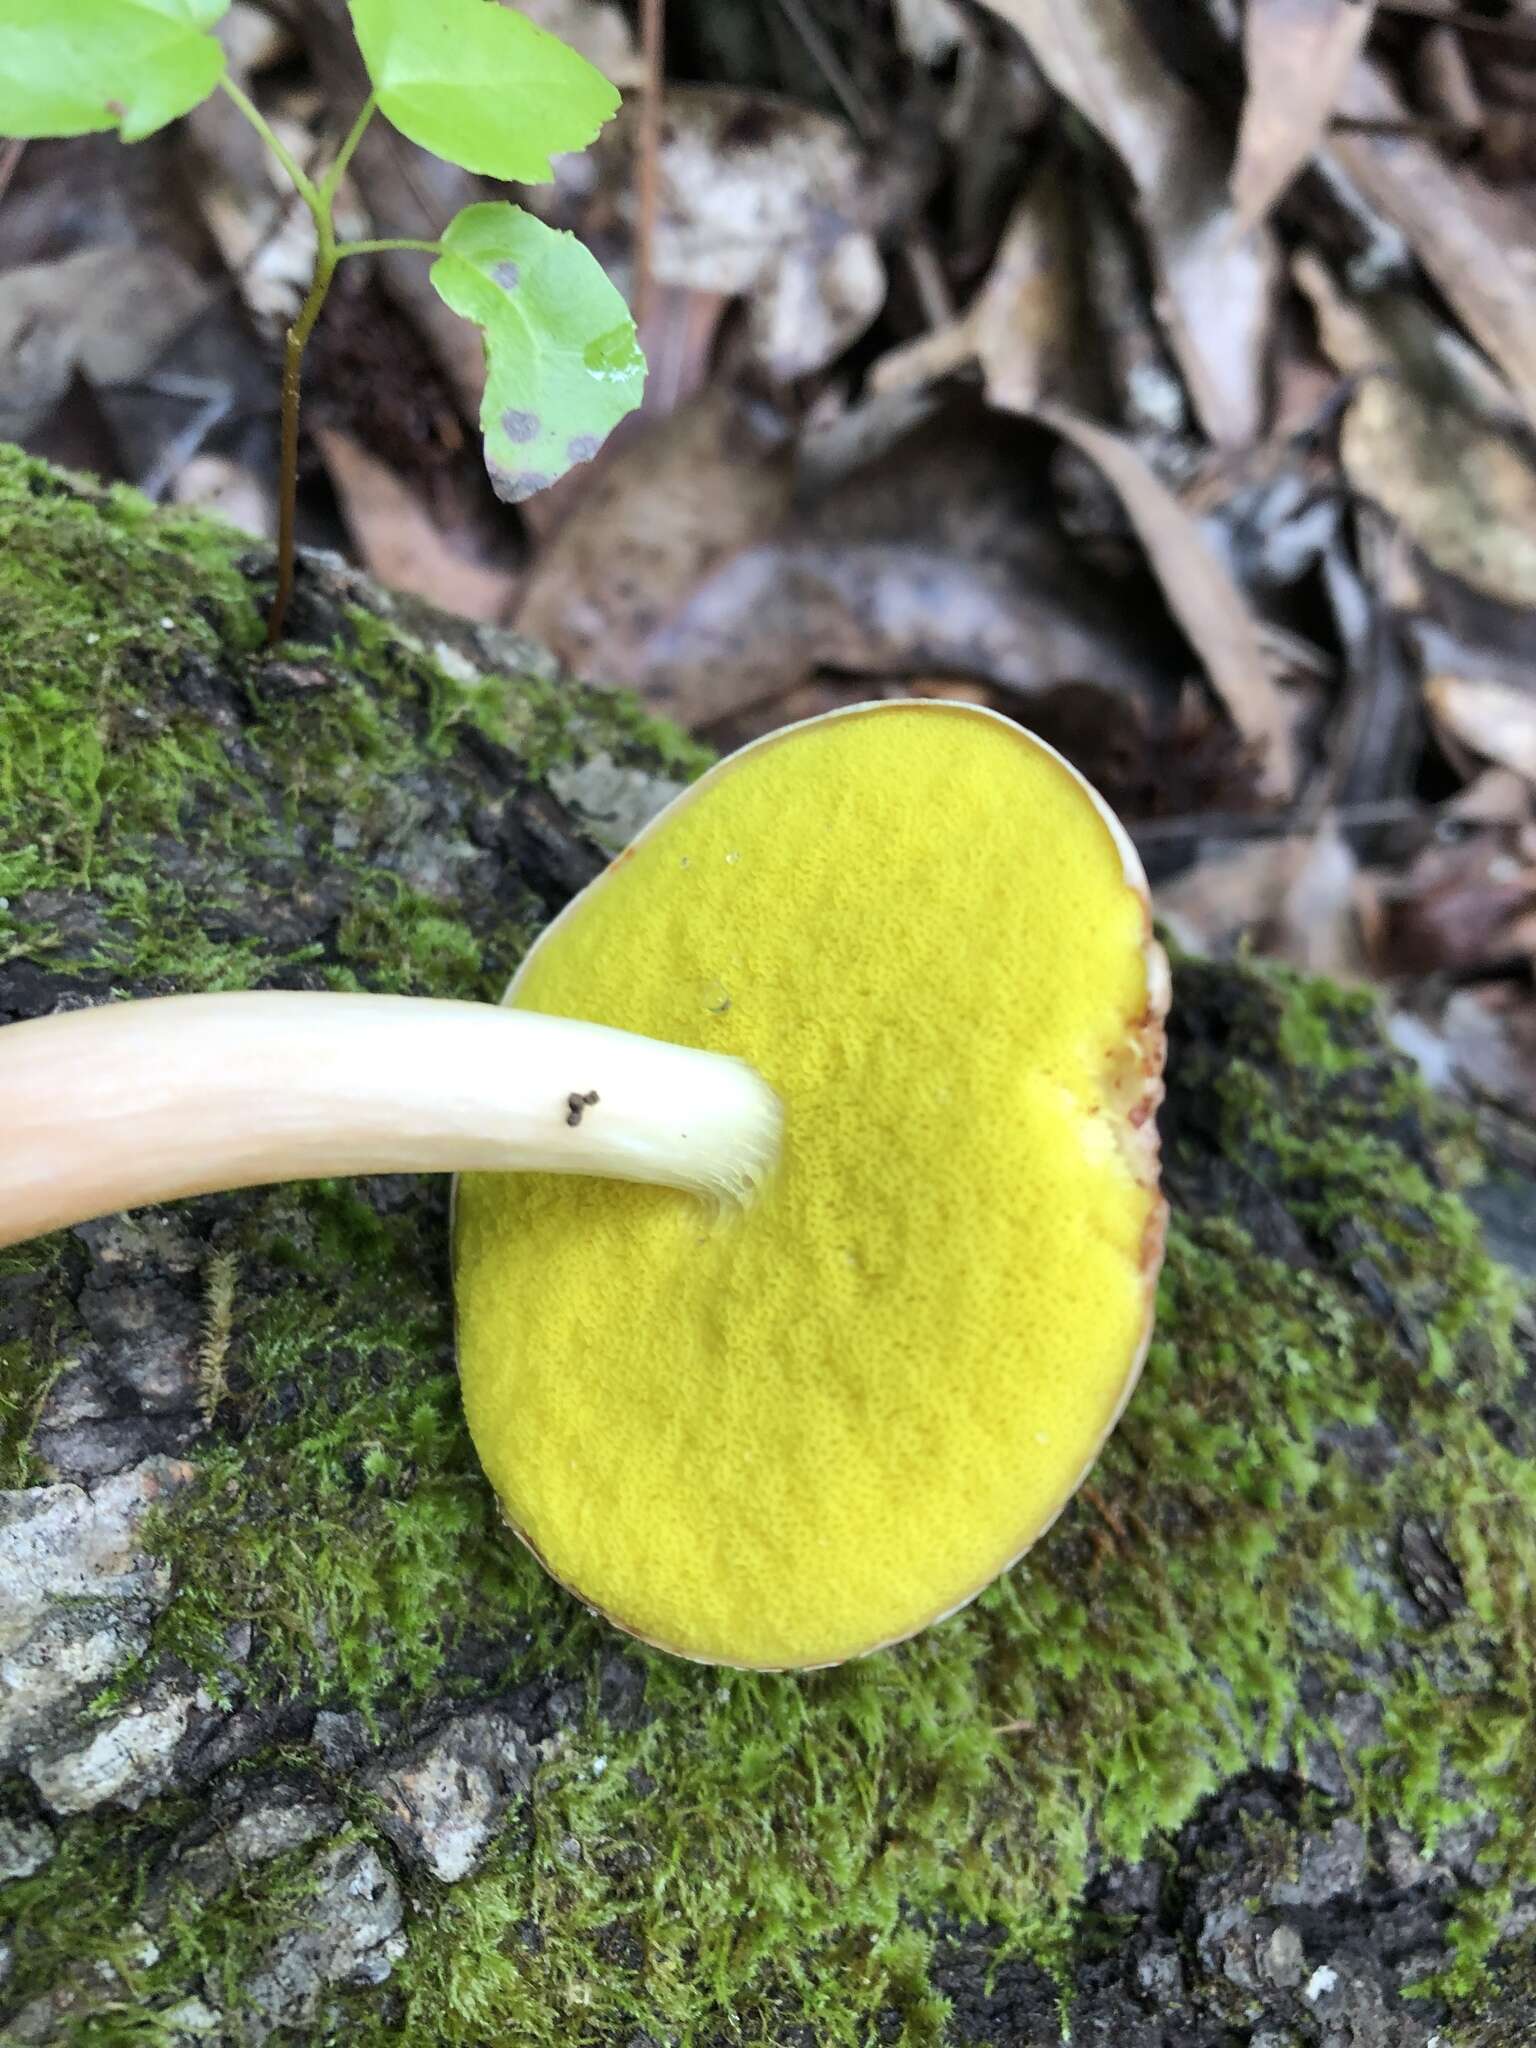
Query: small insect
(575, 1104)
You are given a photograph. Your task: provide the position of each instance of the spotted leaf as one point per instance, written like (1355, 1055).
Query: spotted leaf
(562, 362)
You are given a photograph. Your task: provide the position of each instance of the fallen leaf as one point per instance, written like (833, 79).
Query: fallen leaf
(809, 700)
(228, 490)
(1491, 1033)
(1498, 796)
(676, 498)
(950, 693)
(1458, 907)
(1297, 54)
(838, 442)
(1127, 349)
(1496, 720)
(1446, 87)
(926, 360)
(108, 312)
(929, 30)
(1350, 338)
(1462, 489)
(1213, 905)
(368, 373)
(270, 248)
(1217, 281)
(1378, 731)
(398, 540)
(1271, 512)
(681, 329)
(715, 574)
(812, 304)
(1159, 774)
(998, 102)
(776, 613)
(78, 433)
(1316, 925)
(1295, 898)
(1471, 239)
(254, 40)
(772, 202)
(921, 550)
(1023, 325)
(1202, 596)
(1026, 320)
(1466, 496)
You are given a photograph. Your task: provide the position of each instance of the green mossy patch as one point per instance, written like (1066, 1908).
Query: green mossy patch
(30, 1364)
(150, 1941)
(721, 1857)
(116, 745)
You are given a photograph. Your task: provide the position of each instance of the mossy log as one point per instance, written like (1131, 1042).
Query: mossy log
(294, 1744)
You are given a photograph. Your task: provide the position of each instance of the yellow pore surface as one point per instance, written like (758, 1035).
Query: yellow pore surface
(785, 1435)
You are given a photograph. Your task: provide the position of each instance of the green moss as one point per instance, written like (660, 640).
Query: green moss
(123, 596)
(350, 1425)
(83, 1903)
(135, 1938)
(418, 949)
(747, 1854)
(29, 1365)
(121, 765)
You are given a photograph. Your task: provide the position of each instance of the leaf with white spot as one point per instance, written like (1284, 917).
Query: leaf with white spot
(80, 67)
(562, 363)
(480, 85)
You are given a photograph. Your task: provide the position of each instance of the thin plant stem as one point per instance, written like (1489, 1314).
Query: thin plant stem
(288, 480)
(318, 199)
(330, 184)
(383, 246)
(653, 36)
(303, 183)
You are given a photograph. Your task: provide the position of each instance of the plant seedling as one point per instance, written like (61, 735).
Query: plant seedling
(467, 79)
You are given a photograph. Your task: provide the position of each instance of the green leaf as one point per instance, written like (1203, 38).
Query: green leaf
(561, 359)
(77, 67)
(479, 85)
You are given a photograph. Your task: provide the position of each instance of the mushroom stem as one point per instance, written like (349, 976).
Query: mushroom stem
(140, 1102)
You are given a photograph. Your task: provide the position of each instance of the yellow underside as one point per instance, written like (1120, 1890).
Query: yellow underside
(787, 1435)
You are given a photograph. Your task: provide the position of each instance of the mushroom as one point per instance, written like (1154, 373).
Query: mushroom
(770, 1433)
(787, 1434)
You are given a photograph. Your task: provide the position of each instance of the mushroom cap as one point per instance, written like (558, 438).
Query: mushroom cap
(789, 1434)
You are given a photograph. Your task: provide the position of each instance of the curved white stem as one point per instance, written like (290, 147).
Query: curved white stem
(140, 1102)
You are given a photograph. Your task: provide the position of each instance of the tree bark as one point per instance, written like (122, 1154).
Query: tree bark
(294, 1745)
